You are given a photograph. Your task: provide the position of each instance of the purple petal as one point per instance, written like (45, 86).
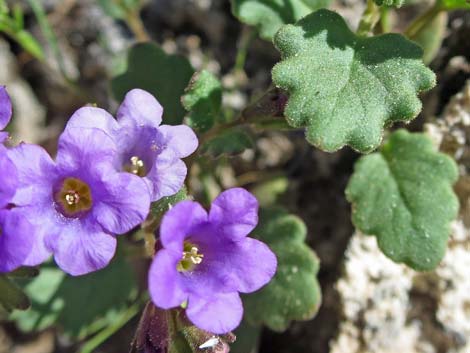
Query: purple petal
(178, 223)
(249, 264)
(140, 107)
(124, 203)
(84, 148)
(5, 108)
(43, 220)
(16, 240)
(36, 172)
(79, 249)
(165, 285)
(220, 313)
(166, 177)
(8, 178)
(235, 213)
(94, 118)
(180, 139)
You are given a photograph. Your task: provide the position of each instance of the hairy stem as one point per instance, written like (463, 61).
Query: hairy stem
(369, 19)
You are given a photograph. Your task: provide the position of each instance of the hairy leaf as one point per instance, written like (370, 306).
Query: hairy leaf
(203, 98)
(403, 195)
(345, 88)
(294, 292)
(165, 76)
(269, 15)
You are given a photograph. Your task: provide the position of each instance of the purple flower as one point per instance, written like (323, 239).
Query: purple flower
(207, 259)
(146, 148)
(5, 112)
(15, 231)
(80, 202)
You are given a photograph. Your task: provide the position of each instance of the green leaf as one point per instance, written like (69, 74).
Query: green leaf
(203, 99)
(164, 204)
(232, 141)
(403, 195)
(248, 337)
(430, 37)
(345, 88)
(454, 4)
(80, 305)
(113, 8)
(270, 15)
(294, 292)
(29, 43)
(12, 297)
(165, 76)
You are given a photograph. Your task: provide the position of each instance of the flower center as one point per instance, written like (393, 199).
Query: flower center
(74, 197)
(190, 259)
(136, 166)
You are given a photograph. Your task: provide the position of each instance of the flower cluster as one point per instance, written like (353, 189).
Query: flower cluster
(100, 184)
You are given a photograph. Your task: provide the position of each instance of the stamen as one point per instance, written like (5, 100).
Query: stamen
(136, 166)
(72, 198)
(191, 257)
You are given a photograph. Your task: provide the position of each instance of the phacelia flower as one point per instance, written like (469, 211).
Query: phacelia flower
(5, 112)
(78, 203)
(145, 148)
(15, 231)
(207, 259)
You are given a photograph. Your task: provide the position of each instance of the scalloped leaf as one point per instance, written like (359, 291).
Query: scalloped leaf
(203, 99)
(403, 195)
(165, 76)
(270, 15)
(345, 88)
(294, 292)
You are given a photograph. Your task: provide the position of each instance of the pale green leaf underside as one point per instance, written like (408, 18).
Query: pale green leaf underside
(403, 195)
(294, 292)
(346, 88)
(269, 15)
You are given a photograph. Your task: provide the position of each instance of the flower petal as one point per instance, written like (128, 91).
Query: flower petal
(5, 108)
(43, 220)
(165, 285)
(141, 107)
(8, 178)
(220, 313)
(16, 240)
(178, 223)
(36, 171)
(180, 138)
(166, 177)
(84, 148)
(79, 250)
(249, 264)
(235, 213)
(124, 204)
(94, 118)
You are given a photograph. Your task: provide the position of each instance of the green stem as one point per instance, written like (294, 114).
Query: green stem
(101, 337)
(246, 38)
(137, 27)
(369, 19)
(423, 20)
